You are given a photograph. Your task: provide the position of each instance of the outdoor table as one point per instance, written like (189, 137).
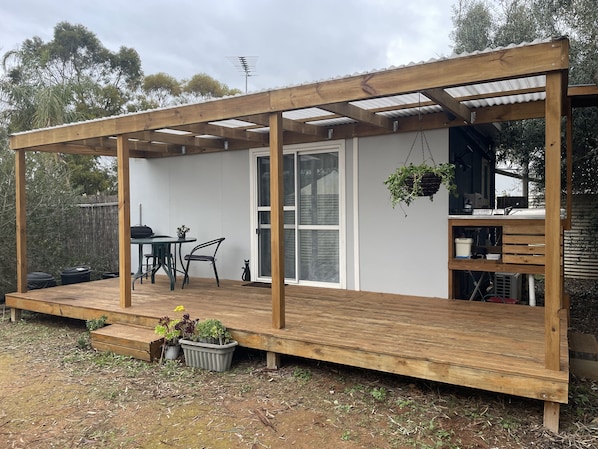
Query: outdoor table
(161, 248)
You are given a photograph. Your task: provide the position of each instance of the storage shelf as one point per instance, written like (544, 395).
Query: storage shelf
(517, 236)
(493, 266)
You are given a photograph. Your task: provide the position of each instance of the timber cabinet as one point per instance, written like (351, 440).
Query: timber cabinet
(519, 241)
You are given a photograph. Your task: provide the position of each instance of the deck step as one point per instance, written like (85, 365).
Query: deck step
(134, 341)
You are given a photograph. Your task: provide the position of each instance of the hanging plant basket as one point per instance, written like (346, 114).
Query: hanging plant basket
(411, 181)
(428, 184)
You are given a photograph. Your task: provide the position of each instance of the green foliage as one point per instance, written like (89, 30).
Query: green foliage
(405, 183)
(210, 331)
(174, 329)
(50, 206)
(97, 323)
(302, 374)
(88, 175)
(160, 89)
(480, 24)
(379, 394)
(203, 86)
(167, 328)
(71, 77)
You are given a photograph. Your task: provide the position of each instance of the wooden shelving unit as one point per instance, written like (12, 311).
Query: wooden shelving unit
(521, 246)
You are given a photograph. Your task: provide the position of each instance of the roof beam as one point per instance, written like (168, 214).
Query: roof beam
(359, 114)
(224, 132)
(176, 139)
(450, 105)
(290, 125)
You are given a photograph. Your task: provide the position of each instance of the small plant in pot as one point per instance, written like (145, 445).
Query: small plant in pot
(181, 231)
(210, 346)
(409, 182)
(172, 330)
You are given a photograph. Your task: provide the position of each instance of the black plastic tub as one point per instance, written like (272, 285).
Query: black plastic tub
(75, 275)
(38, 279)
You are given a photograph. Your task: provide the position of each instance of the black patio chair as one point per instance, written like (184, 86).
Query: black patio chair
(213, 246)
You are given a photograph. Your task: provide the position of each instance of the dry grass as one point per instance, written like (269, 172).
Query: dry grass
(54, 393)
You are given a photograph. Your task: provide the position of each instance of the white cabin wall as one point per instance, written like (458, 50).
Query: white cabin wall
(398, 253)
(209, 193)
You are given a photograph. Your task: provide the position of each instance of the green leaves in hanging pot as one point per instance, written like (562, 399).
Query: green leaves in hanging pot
(411, 181)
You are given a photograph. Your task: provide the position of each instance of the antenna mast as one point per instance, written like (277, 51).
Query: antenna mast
(245, 65)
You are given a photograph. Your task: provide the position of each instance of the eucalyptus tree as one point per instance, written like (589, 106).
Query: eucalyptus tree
(73, 77)
(480, 24)
(161, 89)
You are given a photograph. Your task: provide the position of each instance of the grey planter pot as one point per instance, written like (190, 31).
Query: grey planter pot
(208, 356)
(171, 352)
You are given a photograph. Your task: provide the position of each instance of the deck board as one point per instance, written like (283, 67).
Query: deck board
(495, 347)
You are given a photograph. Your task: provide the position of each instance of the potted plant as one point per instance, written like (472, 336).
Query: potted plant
(209, 346)
(172, 330)
(410, 182)
(181, 231)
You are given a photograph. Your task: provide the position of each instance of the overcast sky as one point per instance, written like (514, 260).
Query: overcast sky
(294, 41)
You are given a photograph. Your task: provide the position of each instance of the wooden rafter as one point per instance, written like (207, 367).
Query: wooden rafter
(359, 114)
(295, 126)
(450, 105)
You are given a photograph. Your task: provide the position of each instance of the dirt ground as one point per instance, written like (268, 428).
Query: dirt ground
(56, 392)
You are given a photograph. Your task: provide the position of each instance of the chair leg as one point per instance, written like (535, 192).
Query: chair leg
(216, 274)
(186, 277)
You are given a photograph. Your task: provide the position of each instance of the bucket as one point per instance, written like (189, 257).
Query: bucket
(37, 279)
(75, 275)
(463, 247)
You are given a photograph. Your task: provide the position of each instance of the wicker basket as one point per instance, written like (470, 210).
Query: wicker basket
(430, 183)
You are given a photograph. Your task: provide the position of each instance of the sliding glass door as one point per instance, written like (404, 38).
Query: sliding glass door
(312, 216)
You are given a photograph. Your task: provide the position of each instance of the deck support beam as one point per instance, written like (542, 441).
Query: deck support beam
(124, 221)
(553, 282)
(277, 219)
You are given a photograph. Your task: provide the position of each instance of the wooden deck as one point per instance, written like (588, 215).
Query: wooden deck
(487, 346)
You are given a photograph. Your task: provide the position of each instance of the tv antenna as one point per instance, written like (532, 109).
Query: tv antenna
(245, 65)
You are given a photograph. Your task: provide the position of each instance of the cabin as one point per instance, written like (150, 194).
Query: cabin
(293, 178)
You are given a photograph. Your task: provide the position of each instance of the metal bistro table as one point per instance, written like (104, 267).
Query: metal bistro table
(161, 250)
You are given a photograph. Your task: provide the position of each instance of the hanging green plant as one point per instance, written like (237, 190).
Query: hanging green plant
(410, 182)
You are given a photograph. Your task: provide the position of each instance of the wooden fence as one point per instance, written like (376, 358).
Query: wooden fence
(581, 242)
(95, 239)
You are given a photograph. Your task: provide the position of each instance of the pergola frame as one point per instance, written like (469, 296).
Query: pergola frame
(337, 109)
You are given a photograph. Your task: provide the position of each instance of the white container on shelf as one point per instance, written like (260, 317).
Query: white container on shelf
(463, 247)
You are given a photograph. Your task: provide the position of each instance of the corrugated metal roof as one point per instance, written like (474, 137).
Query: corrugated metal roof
(494, 94)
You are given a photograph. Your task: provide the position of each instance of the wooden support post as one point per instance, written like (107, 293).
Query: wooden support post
(551, 416)
(277, 220)
(124, 221)
(272, 360)
(569, 176)
(553, 281)
(21, 222)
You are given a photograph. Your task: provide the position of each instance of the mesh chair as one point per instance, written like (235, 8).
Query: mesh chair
(212, 248)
